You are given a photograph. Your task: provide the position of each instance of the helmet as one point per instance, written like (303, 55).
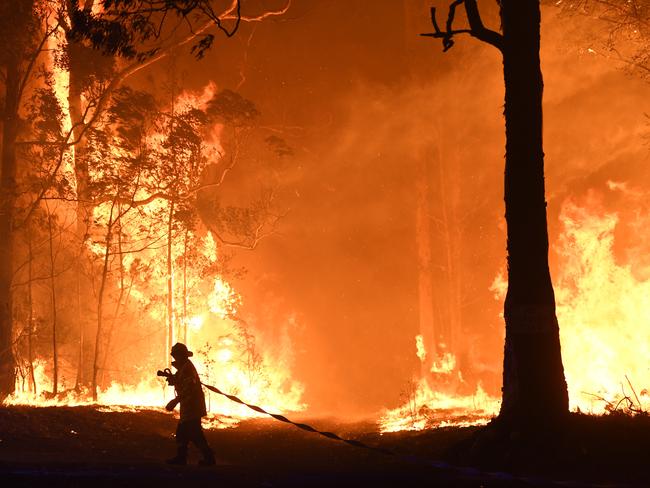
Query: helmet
(179, 350)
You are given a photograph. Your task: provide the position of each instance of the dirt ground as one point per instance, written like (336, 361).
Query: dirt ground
(88, 446)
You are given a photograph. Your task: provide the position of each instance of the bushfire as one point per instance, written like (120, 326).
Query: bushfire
(143, 182)
(151, 271)
(601, 306)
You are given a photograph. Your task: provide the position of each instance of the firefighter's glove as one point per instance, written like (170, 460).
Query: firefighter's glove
(172, 404)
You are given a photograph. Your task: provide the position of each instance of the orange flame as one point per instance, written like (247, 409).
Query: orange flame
(602, 308)
(229, 354)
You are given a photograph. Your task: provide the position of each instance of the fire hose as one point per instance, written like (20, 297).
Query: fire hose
(464, 471)
(308, 428)
(166, 373)
(440, 465)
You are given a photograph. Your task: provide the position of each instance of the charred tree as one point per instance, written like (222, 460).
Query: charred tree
(534, 387)
(533, 381)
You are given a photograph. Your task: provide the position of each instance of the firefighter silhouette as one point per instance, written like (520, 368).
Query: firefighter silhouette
(189, 394)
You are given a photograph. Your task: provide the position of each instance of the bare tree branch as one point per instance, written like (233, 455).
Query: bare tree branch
(476, 27)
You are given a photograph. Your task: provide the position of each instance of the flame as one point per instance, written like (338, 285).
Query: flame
(419, 347)
(426, 408)
(60, 86)
(223, 300)
(445, 364)
(206, 313)
(196, 322)
(602, 308)
(235, 366)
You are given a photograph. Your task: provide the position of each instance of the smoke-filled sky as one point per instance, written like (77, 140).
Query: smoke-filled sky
(363, 99)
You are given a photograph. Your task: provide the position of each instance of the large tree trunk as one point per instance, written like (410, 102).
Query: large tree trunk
(7, 207)
(534, 387)
(85, 207)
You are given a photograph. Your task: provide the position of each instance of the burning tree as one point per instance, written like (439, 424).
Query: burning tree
(534, 386)
(24, 36)
(131, 37)
(110, 190)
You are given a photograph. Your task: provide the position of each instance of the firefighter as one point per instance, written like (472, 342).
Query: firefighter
(189, 394)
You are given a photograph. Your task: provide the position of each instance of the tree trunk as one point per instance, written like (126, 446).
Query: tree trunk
(450, 297)
(534, 387)
(85, 205)
(85, 208)
(80, 353)
(185, 239)
(118, 305)
(170, 282)
(7, 207)
(100, 302)
(425, 272)
(170, 229)
(30, 304)
(55, 351)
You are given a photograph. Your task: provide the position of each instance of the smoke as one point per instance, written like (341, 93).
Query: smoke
(368, 111)
(346, 261)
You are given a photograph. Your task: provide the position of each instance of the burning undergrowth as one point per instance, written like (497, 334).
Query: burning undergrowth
(601, 309)
(129, 250)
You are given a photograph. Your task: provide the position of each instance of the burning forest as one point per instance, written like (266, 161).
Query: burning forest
(308, 200)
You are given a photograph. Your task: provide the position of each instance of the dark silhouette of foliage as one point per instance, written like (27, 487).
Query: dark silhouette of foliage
(279, 146)
(231, 108)
(112, 36)
(131, 28)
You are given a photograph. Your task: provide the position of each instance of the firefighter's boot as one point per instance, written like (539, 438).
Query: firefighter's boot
(208, 458)
(181, 457)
